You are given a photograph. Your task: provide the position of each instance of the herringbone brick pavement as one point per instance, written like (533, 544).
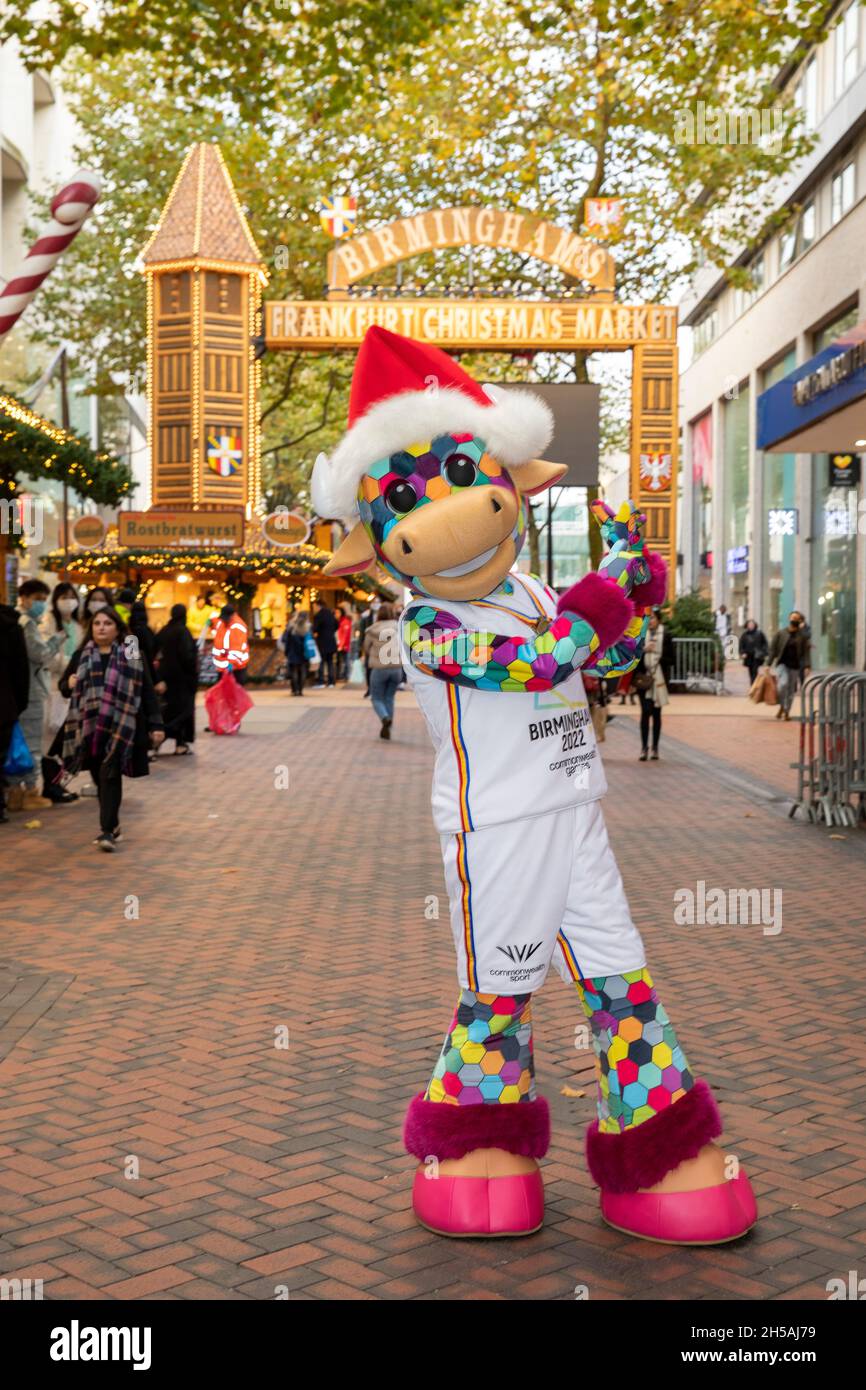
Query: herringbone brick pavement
(158, 1140)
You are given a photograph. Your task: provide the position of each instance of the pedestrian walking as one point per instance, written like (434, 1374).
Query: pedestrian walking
(753, 649)
(345, 627)
(325, 634)
(140, 629)
(789, 660)
(62, 618)
(176, 662)
(14, 686)
(651, 677)
(33, 597)
(368, 617)
(113, 716)
(723, 622)
(294, 644)
(382, 652)
(231, 646)
(97, 598)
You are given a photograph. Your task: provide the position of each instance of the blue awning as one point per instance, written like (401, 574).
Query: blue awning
(820, 407)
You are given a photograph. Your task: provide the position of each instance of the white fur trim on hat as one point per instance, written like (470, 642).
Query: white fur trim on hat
(517, 426)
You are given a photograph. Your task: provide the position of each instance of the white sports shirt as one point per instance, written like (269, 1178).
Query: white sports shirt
(503, 755)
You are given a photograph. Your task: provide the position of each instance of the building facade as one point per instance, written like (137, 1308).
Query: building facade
(765, 532)
(37, 139)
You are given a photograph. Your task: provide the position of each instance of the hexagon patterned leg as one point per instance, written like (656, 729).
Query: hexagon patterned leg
(481, 1097)
(653, 1115)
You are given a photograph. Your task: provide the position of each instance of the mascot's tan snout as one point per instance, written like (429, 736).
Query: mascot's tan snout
(454, 531)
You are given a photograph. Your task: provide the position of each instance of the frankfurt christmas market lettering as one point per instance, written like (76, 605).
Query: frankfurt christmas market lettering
(490, 323)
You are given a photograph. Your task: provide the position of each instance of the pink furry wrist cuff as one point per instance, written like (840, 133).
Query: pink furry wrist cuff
(602, 604)
(640, 1157)
(654, 591)
(436, 1129)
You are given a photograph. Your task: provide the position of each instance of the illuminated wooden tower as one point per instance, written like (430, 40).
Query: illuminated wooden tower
(204, 284)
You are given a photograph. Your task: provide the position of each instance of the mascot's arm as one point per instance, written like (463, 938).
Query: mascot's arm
(627, 569)
(438, 645)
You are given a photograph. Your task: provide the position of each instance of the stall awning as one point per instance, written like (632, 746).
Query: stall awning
(821, 406)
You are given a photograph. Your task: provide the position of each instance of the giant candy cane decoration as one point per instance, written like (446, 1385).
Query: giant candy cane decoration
(69, 210)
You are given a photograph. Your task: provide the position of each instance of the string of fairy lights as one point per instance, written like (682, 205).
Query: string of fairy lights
(35, 446)
(298, 571)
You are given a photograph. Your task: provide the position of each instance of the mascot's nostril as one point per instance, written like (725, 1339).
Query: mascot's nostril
(497, 506)
(407, 549)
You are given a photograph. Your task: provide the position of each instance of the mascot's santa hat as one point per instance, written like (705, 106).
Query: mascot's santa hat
(405, 392)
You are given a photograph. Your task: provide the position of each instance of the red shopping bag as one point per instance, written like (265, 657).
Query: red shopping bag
(226, 704)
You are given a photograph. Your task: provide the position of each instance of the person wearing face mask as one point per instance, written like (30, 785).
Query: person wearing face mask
(62, 617)
(113, 716)
(96, 599)
(32, 603)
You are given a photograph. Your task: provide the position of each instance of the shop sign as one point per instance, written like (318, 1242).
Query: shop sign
(844, 470)
(738, 560)
(89, 531)
(783, 521)
(286, 528)
(181, 530)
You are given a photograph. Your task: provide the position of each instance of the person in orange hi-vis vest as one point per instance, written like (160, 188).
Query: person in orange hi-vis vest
(231, 648)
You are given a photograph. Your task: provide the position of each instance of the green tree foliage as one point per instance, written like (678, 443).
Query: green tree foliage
(532, 107)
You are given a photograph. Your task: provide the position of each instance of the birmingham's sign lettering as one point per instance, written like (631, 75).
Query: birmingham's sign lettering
(479, 323)
(444, 227)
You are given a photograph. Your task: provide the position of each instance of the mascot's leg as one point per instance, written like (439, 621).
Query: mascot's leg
(480, 1125)
(651, 1149)
(479, 1128)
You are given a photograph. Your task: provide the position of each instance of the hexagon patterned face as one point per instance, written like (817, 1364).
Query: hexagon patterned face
(641, 1067)
(395, 486)
(487, 1055)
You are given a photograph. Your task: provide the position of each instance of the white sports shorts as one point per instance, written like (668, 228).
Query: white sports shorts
(533, 892)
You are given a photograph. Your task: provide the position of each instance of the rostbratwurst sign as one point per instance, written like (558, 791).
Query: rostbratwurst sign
(180, 529)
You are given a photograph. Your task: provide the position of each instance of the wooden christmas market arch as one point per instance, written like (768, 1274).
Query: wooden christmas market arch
(206, 277)
(592, 322)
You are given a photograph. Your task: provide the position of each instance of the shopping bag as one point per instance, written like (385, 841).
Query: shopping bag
(356, 675)
(774, 686)
(311, 651)
(19, 761)
(756, 690)
(226, 704)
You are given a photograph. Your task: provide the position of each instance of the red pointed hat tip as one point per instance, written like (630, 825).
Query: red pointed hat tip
(389, 364)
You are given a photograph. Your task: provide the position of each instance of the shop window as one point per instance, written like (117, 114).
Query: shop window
(834, 597)
(832, 330)
(847, 48)
(706, 331)
(806, 95)
(842, 194)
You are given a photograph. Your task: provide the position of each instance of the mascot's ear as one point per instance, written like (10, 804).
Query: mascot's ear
(536, 475)
(354, 555)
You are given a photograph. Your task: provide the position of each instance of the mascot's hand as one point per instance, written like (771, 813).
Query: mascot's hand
(626, 564)
(601, 604)
(654, 590)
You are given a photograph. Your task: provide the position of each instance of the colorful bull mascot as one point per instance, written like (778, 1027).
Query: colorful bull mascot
(435, 471)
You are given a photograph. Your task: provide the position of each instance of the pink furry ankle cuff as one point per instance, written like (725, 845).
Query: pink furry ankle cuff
(437, 1129)
(640, 1157)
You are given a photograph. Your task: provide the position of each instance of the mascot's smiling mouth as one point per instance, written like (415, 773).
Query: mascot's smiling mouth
(469, 565)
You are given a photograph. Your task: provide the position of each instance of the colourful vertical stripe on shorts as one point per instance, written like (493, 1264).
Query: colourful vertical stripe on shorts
(466, 907)
(570, 958)
(461, 756)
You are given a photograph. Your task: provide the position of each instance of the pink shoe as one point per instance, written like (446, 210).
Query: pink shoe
(457, 1206)
(709, 1216)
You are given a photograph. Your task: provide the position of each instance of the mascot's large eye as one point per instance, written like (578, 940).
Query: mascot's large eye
(460, 471)
(401, 497)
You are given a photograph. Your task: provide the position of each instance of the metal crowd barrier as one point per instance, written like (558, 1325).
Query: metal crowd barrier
(697, 666)
(831, 772)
